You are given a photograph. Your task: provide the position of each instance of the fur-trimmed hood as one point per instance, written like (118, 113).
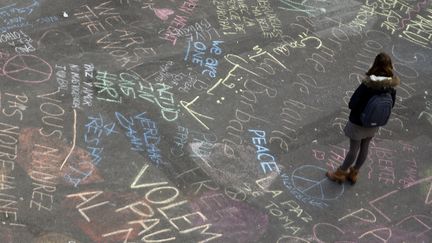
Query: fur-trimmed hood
(379, 82)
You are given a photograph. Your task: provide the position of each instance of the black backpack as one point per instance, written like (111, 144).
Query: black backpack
(377, 111)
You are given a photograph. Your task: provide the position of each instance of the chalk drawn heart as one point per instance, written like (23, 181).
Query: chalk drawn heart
(163, 13)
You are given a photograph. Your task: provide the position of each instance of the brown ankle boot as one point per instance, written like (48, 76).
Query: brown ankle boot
(352, 175)
(338, 175)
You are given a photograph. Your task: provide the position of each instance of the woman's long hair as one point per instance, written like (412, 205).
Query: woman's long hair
(382, 66)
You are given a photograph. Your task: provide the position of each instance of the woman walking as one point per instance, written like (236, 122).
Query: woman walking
(379, 82)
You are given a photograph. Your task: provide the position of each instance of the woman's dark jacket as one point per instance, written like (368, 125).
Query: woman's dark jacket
(370, 86)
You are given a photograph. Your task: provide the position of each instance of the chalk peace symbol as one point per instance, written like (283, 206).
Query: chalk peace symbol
(27, 69)
(311, 181)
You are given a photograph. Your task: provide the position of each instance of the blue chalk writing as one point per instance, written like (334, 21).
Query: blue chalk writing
(94, 130)
(201, 56)
(180, 141)
(187, 50)
(149, 139)
(267, 161)
(12, 17)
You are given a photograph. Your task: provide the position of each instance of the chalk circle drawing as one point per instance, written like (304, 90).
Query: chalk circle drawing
(27, 69)
(311, 180)
(63, 43)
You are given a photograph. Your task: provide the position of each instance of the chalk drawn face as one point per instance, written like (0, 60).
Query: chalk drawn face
(61, 43)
